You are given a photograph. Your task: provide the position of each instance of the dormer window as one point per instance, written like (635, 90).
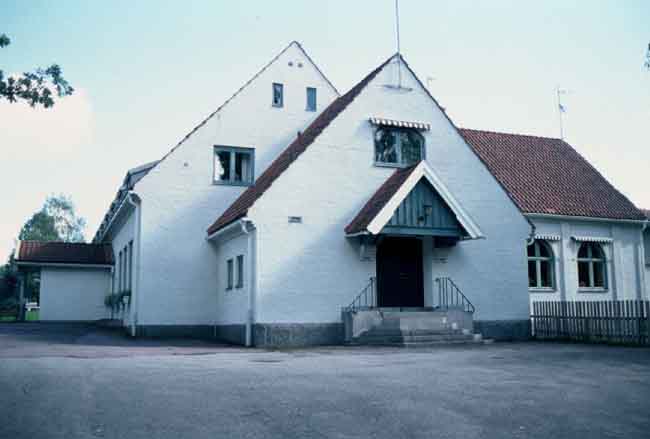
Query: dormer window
(234, 165)
(398, 146)
(278, 95)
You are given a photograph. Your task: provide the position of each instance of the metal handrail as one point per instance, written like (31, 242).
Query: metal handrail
(450, 296)
(366, 299)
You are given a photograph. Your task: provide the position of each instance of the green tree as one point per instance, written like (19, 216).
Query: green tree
(35, 87)
(57, 220)
(647, 58)
(40, 227)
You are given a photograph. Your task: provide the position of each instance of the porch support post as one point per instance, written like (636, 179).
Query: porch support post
(22, 280)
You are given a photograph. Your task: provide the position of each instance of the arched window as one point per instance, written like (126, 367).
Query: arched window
(540, 265)
(592, 272)
(398, 146)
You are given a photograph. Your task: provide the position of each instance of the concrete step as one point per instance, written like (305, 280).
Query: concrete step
(468, 341)
(389, 332)
(416, 339)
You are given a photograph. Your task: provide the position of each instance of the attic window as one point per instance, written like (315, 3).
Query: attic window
(278, 95)
(398, 146)
(311, 99)
(234, 165)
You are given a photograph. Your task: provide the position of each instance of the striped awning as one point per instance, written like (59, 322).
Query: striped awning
(547, 237)
(602, 240)
(400, 123)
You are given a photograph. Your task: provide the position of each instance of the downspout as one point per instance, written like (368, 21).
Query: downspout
(250, 316)
(133, 199)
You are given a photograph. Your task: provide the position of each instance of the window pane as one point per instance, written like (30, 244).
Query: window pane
(277, 95)
(597, 251)
(241, 166)
(531, 250)
(532, 274)
(583, 274)
(546, 274)
(543, 249)
(311, 99)
(230, 274)
(583, 252)
(385, 146)
(240, 271)
(411, 147)
(599, 274)
(222, 166)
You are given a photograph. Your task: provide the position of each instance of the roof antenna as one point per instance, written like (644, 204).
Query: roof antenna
(398, 86)
(561, 108)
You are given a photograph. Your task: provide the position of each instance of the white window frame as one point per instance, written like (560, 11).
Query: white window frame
(307, 107)
(399, 163)
(233, 151)
(538, 259)
(230, 275)
(240, 272)
(281, 88)
(591, 261)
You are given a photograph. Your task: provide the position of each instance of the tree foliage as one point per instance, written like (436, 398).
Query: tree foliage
(37, 87)
(57, 220)
(647, 58)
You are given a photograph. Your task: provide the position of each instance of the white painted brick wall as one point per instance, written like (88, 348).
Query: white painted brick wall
(232, 305)
(73, 294)
(121, 234)
(308, 271)
(623, 269)
(179, 202)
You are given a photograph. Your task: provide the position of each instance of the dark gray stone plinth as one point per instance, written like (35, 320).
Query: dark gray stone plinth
(504, 330)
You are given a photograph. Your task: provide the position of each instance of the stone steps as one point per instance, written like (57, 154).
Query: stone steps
(414, 338)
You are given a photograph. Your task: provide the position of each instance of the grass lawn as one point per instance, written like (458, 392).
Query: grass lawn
(31, 316)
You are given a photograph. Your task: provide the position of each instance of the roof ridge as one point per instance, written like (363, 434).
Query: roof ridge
(240, 206)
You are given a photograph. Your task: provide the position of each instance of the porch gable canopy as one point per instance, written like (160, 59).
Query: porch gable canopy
(398, 207)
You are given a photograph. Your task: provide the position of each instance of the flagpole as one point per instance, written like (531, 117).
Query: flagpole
(399, 56)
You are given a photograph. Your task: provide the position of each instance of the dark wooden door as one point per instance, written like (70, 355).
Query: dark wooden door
(400, 280)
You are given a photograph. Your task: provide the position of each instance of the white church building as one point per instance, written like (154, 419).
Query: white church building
(293, 206)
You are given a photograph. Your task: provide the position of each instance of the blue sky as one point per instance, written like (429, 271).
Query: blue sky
(147, 71)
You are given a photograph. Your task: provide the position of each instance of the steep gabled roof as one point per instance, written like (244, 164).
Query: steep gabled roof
(378, 200)
(132, 176)
(547, 176)
(39, 252)
(239, 208)
(150, 166)
(379, 209)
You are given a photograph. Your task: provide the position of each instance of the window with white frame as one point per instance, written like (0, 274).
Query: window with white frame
(234, 165)
(278, 95)
(240, 271)
(398, 146)
(229, 274)
(541, 265)
(592, 268)
(311, 99)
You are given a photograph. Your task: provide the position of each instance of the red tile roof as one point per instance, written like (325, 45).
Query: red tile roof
(379, 200)
(239, 208)
(64, 253)
(547, 176)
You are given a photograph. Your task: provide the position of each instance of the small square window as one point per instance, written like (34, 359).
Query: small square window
(234, 165)
(230, 268)
(278, 95)
(311, 99)
(240, 271)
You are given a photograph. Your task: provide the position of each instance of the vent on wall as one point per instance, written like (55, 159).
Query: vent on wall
(295, 219)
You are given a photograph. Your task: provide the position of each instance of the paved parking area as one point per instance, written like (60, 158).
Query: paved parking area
(79, 382)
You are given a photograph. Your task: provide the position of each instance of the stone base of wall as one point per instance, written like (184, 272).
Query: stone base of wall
(504, 330)
(233, 334)
(284, 335)
(190, 331)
